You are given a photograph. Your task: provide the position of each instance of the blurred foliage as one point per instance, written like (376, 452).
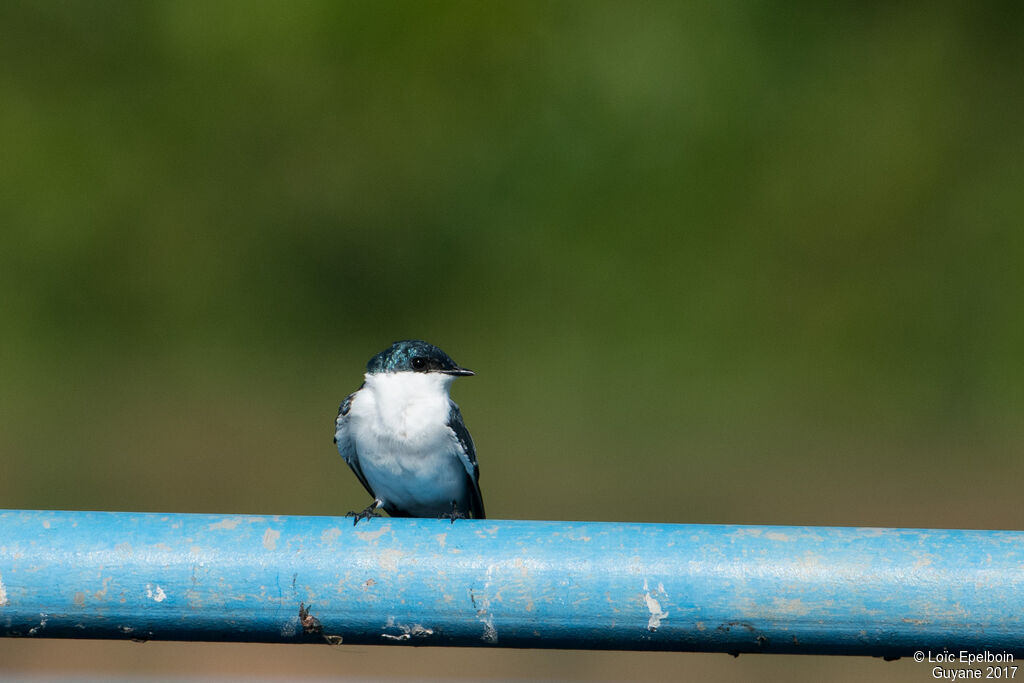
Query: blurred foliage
(711, 261)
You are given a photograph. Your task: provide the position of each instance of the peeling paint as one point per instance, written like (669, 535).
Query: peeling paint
(330, 535)
(791, 606)
(270, 537)
(654, 607)
(389, 560)
(407, 632)
(229, 523)
(155, 594)
(747, 531)
(102, 593)
(870, 530)
(483, 608)
(373, 535)
(42, 624)
(490, 633)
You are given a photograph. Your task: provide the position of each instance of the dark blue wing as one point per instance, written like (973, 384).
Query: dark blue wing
(346, 447)
(468, 458)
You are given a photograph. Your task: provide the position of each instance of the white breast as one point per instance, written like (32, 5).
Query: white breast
(409, 455)
(406, 407)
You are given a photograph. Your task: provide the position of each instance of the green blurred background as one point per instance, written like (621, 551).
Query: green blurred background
(712, 262)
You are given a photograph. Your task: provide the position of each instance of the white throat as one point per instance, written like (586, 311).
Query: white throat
(405, 404)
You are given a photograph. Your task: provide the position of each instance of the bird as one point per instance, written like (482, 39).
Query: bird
(404, 437)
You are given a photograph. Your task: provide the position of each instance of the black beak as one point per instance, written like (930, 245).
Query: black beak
(459, 372)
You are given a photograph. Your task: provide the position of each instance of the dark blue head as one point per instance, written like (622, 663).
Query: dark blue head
(414, 355)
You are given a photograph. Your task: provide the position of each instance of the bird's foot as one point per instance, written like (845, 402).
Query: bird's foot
(370, 511)
(453, 515)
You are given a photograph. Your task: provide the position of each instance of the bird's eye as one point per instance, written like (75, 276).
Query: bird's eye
(419, 363)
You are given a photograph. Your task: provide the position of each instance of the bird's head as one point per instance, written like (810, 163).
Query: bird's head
(415, 355)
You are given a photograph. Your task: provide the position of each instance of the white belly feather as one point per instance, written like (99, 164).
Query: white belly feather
(407, 452)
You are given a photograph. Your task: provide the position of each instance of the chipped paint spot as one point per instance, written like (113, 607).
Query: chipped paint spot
(330, 535)
(389, 560)
(870, 530)
(369, 583)
(654, 607)
(747, 531)
(793, 607)
(229, 523)
(42, 624)
(46, 524)
(778, 536)
(3, 592)
(79, 599)
(270, 537)
(407, 632)
(373, 535)
(490, 633)
(483, 608)
(442, 540)
(102, 593)
(157, 594)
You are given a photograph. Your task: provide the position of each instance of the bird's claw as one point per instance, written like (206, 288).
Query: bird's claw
(453, 515)
(370, 511)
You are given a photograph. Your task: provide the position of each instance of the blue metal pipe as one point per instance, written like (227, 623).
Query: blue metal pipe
(590, 585)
